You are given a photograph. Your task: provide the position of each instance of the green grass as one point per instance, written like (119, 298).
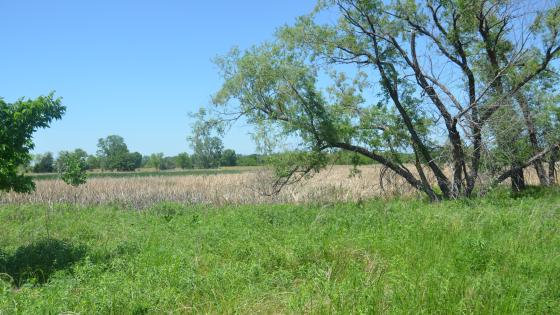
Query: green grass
(497, 255)
(148, 173)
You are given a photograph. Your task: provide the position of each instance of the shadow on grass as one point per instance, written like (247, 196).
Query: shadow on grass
(36, 262)
(536, 192)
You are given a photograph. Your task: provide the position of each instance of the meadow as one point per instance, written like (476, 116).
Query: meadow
(218, 242)
(497, 254)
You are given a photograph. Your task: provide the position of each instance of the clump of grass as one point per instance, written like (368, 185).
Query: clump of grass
(492, 255)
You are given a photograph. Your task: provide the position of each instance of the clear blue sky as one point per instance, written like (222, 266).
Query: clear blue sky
(129, 67)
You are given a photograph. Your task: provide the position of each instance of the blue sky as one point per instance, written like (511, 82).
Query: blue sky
(129, 67)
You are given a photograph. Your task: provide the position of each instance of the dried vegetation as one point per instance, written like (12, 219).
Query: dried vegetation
(336, 184)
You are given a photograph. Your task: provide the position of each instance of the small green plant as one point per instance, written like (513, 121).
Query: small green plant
(74, 170)
(167, 210)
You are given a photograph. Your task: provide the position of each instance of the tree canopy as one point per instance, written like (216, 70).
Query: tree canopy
(73, 168)
(206, 140)
(18, 122)
(229, 158)
(113, 154)
(183, 160)
(445, 81)
(44, 163)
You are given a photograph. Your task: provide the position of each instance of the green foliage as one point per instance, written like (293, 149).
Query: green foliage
(74, 168)
(61, 161)
(18, 122)
(292, 166)
(114, 155)
(167, 210)
(133, 161)
(206, 140)
(277, 91)
(157, 161)
(183, 160)
(93, 162)
(229, 158)
(384, 93)
(250, 160)
(44, 163)
(161, 162)
(494, 255)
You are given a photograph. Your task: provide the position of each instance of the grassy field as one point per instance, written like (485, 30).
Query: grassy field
(495, 255)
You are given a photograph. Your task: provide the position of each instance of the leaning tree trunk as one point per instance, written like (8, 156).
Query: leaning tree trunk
(554, 155)
(517, 180)
(538, 163)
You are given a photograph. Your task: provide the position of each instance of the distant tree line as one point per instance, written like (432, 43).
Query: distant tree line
(113, 155)
(47, 163)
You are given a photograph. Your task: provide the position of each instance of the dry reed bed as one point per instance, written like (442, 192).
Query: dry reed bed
(332, 185)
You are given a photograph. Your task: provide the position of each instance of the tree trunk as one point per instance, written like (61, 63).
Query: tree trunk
(517, 180)
(477, 149)
(403, 172)
(522, 101)
(458, 163)
(442, 180)
(554, 155)
(421, 172)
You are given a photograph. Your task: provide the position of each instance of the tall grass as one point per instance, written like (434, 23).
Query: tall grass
(495, 255)
(252, 187)
(242, 186)
(149, 173)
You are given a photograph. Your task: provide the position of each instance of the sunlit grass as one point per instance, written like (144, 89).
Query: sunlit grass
(494, 255)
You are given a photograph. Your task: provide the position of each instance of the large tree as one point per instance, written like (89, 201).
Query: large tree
(206, 140)
(18, 122)
(229, 158)
(428, 77)
(183, 160)
(113, 154)
(44, 163)
(161, 162)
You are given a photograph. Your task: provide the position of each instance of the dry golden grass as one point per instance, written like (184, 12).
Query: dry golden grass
(332, 185)
(253, 187)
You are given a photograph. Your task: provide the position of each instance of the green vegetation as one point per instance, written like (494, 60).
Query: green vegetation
(113, 154)
(229, 158)
(370, 80)
(183, 160)
(44, 163)
(18, 122)
(451, 98)
(206, 140)
(74, 170)
(64, 158)
(491, 255)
